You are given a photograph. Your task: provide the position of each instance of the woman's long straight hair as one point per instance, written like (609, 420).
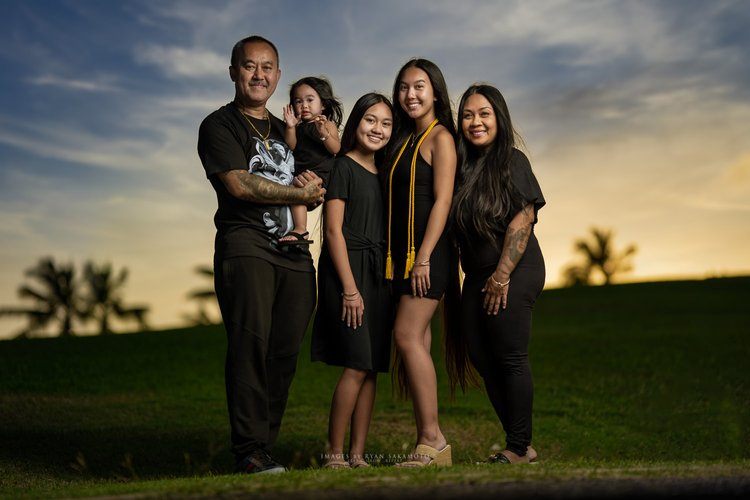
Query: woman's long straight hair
(485, 196)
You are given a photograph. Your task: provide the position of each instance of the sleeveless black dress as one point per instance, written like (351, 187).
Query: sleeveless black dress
(424, 198)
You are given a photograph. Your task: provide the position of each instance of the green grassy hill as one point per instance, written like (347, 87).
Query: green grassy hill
(640, 373)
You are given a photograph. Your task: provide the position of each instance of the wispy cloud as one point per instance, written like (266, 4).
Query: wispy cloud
(179, 62)
(96, 85)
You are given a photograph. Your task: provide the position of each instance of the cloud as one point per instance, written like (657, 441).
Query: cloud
(179, 62)
(98, 85)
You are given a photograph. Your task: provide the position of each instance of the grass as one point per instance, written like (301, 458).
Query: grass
(630, 380)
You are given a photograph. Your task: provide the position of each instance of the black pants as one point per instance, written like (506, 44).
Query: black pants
(499, 345)
(266, 310)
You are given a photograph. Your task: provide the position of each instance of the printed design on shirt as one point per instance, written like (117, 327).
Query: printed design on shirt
(275, 163)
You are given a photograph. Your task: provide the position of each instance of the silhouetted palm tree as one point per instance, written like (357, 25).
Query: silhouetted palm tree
(599, 255)
(203, 296)
(55, 296)
(104, 296)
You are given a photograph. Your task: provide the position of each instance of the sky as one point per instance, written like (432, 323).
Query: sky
(635, 115)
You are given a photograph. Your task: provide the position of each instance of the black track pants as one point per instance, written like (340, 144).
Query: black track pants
(266, 310)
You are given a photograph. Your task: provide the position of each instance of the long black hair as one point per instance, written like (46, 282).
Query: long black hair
(332, 108)
(403, 125)
(349, 135)
(485, 197)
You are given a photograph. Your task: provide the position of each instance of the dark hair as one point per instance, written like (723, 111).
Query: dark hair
(485, 188)
(484, 200)
(403, 125)
(349, 135)
(237, 49)
(332, 108)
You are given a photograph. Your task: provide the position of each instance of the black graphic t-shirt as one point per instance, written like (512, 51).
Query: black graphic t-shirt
(227, 141)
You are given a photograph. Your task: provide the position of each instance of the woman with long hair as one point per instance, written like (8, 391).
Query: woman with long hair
(419, 188)
(493, 216)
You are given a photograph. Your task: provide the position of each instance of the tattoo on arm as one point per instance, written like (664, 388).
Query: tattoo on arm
(249, 187)
(514, 244)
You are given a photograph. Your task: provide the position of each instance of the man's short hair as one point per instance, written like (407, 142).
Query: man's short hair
(237, 49)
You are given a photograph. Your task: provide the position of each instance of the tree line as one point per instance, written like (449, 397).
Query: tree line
(59, 296)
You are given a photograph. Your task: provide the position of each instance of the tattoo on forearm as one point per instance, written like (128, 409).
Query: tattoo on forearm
(514, 247)
(259, 190)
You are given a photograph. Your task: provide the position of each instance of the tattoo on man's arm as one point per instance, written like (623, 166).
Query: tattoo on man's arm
(259, 190)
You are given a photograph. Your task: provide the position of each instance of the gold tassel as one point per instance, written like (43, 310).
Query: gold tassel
(389, 267)
(410, 258)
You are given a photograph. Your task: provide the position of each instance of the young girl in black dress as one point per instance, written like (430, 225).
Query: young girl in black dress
(420, 188)
(313, 117)
(494, 213)
(353, 320)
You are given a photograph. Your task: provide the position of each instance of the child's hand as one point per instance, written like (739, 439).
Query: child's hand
(321, 122)
(289, 116)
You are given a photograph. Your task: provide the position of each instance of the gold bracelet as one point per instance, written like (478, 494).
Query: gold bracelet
(501, 285)
(350, 296)
(423, 263)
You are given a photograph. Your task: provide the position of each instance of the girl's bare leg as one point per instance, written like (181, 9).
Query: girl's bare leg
(344, 401)
(362, 416)
(410, 332)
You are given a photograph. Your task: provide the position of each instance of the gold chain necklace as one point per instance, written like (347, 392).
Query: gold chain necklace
(263, 137)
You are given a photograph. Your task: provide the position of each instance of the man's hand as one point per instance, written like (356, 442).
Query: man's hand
(312, 185)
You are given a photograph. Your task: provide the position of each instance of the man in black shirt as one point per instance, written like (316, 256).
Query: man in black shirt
(266, 292)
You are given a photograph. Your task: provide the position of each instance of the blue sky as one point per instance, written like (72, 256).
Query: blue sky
(636, 116)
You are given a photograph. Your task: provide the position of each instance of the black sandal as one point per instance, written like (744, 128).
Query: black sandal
(499, 458)
(301, 239)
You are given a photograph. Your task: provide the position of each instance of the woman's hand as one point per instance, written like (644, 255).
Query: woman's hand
(352, 309)
(420, 279)
(289, 117)
(495, 295)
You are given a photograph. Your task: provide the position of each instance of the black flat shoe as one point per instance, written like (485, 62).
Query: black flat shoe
(499, 458)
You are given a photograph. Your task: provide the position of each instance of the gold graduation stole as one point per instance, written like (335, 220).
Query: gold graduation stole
(410, 251)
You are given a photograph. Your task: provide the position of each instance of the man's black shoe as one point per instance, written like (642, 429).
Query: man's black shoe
(259, 462)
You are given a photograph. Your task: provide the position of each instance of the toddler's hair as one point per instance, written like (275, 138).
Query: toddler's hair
(333, 110)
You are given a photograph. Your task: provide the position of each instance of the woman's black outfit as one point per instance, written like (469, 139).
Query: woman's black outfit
(498, 345)
(369, 346)
(424, 199)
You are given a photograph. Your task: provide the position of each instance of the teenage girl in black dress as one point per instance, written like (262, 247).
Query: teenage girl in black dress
(494, 212)
(419, 190)
(352, 325)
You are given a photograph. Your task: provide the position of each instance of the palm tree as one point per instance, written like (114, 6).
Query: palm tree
(599, 256)
(203, 296)
(104, 296)
(56, 298)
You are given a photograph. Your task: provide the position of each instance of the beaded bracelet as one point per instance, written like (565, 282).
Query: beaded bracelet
(501, 285)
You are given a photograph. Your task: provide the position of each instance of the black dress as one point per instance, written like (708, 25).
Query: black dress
(424, 198)
(369, 346)
(311, 153)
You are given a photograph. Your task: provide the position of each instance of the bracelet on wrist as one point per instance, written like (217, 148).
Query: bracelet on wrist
(498, 283)
(423, 263)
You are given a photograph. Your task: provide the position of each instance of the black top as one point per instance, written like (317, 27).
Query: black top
(478, 253)
(311, 153)
(226, 141)
(424, 199)
(360, 188)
